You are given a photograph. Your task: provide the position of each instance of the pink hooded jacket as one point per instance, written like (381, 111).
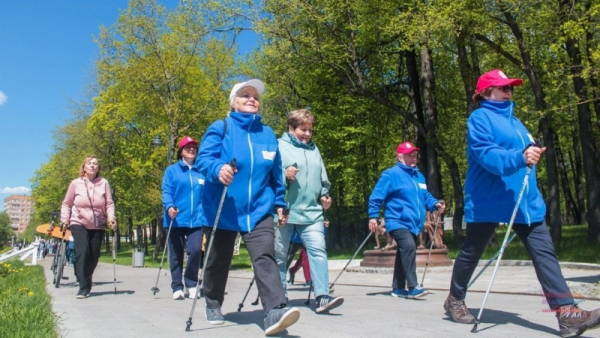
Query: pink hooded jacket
(86, 199)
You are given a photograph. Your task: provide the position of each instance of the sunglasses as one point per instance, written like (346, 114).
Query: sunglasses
(506, 89)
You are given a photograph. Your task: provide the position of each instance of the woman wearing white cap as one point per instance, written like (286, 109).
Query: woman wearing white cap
(181, 190)
(499, 150)
(403, 192)
(255, 192)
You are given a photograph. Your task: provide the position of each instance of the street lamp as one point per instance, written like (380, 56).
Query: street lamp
(157, 142)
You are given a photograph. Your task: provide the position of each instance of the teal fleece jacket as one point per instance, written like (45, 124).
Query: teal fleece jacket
(304, 193)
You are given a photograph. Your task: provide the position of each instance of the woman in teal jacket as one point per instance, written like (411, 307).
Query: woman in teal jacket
(255, 192)
(307, 198)
(403, 192)
(181, 190)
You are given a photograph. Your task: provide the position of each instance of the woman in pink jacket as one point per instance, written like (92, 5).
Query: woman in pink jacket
(87, 208)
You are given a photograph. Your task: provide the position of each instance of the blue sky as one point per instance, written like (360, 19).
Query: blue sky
(47, 57)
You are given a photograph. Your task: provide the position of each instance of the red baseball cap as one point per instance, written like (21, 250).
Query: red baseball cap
(495, 78)
(185, 141)
(406, 148)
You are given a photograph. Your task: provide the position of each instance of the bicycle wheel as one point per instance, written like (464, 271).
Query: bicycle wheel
(53, 267)
(60, 264)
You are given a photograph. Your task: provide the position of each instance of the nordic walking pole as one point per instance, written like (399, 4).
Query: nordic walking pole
(241, 305)
(114, 255)
(436, 220)
(155, 289)
(344, 269)
(309, 291)
(490, 261)
(210, 242)
(504, 243)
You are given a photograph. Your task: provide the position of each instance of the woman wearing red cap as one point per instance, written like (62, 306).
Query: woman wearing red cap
(181, 193)
(499, 150)
(403, 192)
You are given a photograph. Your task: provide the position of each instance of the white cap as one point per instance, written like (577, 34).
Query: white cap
(254, 83)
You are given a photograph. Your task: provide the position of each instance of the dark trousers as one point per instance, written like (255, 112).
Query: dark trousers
(405, 267)
(177, 244)
(87, 252)
(538, 243)
(261, 247)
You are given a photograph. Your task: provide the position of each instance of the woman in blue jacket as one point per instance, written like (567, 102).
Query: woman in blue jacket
(499, 149)
(255, 192)
(181, 192)
(403, 191)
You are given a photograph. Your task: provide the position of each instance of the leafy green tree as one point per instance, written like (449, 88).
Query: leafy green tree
(5, 230)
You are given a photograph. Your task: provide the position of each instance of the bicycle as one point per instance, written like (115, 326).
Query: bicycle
(60, 258)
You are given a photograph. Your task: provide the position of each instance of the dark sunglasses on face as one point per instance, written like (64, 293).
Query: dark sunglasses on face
(506, 89)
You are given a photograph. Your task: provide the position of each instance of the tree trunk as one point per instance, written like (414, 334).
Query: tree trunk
(588, 143)
(434, 179)
(573, 215)
(465, 71)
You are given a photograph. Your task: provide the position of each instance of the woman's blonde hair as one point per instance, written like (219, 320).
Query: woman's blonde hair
(87, 159)
(299, 117)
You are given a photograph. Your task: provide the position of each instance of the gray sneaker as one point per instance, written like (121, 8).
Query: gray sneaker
(214, 316)
(326, 303)
(278, 319)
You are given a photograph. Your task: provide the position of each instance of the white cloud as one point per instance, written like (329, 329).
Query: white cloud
(3, 98)
(15, 190)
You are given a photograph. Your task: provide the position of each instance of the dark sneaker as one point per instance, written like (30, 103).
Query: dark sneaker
(291, 280)
(327, 303)
(214, 316)
(400, 293)
(278, 319)
(417, 292)
(572, 321)
(457, 309)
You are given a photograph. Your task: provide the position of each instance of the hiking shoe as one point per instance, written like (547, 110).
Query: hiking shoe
(178, 294)
(417, 292)
(572, 321)
(327, 303)
(400, 293)
(458, 310)
(192, 293)
(214, 316)
(278, 319)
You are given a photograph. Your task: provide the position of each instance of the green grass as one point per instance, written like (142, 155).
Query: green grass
(25, 309)
(573, 247)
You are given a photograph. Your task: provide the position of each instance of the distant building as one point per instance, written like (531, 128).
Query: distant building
(20, 209)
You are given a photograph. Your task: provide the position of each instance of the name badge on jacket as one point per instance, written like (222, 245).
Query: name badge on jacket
(423, 186)
(268, 155)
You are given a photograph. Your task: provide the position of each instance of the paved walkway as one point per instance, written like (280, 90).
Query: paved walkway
(514, 309)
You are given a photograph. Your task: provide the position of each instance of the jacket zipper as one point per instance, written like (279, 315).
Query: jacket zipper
(251, 174)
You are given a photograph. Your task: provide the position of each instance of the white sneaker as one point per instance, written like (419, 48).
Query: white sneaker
(177, 295)
(192, 293)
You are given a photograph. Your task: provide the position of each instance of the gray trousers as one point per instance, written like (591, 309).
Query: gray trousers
(261, 247)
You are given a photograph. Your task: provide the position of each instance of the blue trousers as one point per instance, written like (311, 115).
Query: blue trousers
(313, 238)
(538, 243)
(181, 239)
